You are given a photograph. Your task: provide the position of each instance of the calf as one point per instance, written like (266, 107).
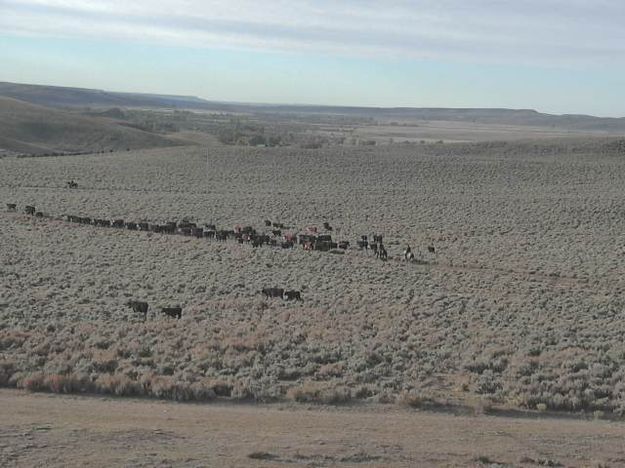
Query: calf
(344, 245)
(267, 223)
(292, 296)
(174, 312)
(29, 210)
(431, 249)
(139, 307)
(11, 207)
(327, 226)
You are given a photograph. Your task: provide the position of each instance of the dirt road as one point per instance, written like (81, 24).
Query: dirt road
(51, 430)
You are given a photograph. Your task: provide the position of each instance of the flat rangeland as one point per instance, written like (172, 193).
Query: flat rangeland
(42, 430)
(520, 305)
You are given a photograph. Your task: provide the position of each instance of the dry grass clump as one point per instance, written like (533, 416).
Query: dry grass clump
(315, 392)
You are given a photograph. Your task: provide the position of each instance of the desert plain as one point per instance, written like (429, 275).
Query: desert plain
(517, 311)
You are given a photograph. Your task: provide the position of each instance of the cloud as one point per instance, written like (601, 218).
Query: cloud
(543, 32)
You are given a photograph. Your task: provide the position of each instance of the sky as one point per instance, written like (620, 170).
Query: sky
(556, 56)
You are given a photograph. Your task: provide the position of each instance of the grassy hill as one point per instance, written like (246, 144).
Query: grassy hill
(33, 129)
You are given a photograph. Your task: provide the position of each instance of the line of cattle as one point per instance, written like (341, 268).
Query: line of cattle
(311, 240)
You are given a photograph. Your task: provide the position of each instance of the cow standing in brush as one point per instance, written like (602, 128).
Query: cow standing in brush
(173, 312)
(139, 307)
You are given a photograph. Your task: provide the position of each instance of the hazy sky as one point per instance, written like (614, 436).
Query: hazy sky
(560, 56)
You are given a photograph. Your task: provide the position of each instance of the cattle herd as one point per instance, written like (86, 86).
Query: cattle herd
(311, 239)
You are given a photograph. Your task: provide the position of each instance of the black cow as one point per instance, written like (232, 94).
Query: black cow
(11, 207)
(431, 249)
(143, 226)
(197, 232)
(210, 227)
(71, 184)
(363, 244)
(276, 232)
(377, 238)
(118, 223)
(186, 225)
(85, 220)
(343, 245)
(169, 228)
(39, 214)
(29, 210)
(267, 223)
(322, 246)
(221, 235)
(172, 311)
(324, 238)
(327, 226)
(382, 254)
(272, 292)
(210, 234)
(139, 307)
(304, 238)
(185, 231)
(132, 226)
(287, 245)
(292, 296)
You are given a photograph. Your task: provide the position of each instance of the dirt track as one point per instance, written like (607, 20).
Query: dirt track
(52, 430)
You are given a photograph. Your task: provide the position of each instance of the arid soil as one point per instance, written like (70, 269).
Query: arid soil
(520, 306)
(43, 430)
